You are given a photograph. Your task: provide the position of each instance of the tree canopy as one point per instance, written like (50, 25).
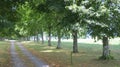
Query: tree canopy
(76, 18)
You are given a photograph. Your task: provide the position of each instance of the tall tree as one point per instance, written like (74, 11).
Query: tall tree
(75, 20)
(98, 19)
(57, 7)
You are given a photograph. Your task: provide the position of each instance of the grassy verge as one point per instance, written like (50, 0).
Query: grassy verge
(5, 60)
(24, 58)
(87, 57)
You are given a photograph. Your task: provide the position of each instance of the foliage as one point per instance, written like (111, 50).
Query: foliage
(30, 20)
(97, 16)
(8, 17)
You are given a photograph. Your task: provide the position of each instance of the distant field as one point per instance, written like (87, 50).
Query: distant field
(87, 56)
(115, 41)
(5, 60)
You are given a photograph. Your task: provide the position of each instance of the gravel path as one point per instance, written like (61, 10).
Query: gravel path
(35, 60)
(15, 58)
(18, 61)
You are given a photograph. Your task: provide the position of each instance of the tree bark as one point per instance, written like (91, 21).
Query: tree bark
(34, 38)
(75, 45)
(42, 37)
(106, 51)
(37, 38)
(0, 38)
(49, 37)
(28, 38)
(59, 40)
(24, 39)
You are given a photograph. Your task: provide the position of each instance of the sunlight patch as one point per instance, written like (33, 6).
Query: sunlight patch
(52, 51)
(47, 51)
(26, 41)
(45, 66)
(49, 47)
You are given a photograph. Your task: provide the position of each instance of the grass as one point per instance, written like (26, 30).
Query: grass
(87, 57)
(5, 60)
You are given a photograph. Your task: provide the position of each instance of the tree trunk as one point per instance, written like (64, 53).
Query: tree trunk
(42, 37)
(59, 40)
(37, 38)
(106, 52)
(75, 45)
(24, 39)
(34, 38)
(28, 38)
(49, 37)
(0, 38)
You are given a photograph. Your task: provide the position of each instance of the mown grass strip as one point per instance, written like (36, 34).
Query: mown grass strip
(5, 58)
(87, 57)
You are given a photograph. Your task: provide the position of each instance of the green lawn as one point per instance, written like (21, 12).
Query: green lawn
(5, 60)
(87, 57)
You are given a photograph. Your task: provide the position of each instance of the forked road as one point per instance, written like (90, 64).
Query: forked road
(18, 62)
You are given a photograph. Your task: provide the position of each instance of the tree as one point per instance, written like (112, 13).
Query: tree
(105, 27)
(57, 7)
(8, 17)
(98, 19)
(29, 23)
(53, 13)
(74, 21)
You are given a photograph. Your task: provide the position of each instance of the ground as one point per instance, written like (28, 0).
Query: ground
(5, 58)
(19, 61)
(88, 55)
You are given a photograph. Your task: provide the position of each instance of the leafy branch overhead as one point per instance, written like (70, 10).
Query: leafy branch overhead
(98, 15)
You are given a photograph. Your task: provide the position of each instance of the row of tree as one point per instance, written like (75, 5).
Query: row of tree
(99, 18)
